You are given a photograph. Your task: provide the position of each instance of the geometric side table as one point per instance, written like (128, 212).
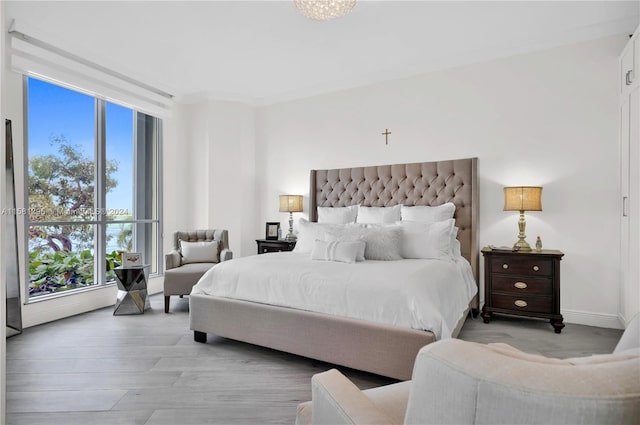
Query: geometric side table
(132, 290)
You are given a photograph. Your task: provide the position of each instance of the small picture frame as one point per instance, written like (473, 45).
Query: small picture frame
(131, 259)
(272, 230)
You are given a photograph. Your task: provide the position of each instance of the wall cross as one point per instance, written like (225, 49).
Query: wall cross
(386, 136)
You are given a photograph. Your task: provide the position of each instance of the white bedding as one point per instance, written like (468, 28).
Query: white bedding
(420, 294)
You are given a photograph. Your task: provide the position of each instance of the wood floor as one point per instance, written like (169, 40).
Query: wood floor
(101, 369)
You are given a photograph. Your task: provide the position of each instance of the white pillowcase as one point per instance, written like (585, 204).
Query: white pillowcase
(427, 214)
(308, 232)
(428, 241)
(379, 215)
(342, 251)
(200, 252)
(337, 215)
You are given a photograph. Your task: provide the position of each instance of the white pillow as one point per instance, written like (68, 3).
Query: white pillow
(342, 251)
(347, 234)
(308, 232)
(427, 241)
(383, 243)
(427, 214)
(200, 252)
(337, 215)
(379, 215)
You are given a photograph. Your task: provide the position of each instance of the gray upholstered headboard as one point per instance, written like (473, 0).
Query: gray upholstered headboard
(421, 183)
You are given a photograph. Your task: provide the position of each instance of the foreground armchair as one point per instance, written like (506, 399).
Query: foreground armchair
(459, 382)
(194, 253)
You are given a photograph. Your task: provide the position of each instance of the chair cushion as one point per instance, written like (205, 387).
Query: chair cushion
(180, 280)
(200, 252)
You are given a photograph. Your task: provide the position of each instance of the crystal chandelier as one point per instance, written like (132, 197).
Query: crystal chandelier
(324, 10)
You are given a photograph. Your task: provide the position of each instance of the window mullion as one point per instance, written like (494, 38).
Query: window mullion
(100, 193)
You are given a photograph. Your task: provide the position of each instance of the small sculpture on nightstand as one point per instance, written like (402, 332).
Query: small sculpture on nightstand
(538, 244)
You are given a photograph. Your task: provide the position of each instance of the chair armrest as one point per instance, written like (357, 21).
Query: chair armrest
(336, 400)
(226, 254)
(172, 260)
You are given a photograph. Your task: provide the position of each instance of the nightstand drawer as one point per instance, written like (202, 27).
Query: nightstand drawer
(521, 266)
(522, 285)
(518, 303)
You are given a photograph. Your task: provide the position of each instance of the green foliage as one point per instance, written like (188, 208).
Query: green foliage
(58, 271)
(62, 187)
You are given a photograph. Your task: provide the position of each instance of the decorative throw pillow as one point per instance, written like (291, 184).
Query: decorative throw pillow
(379, 215)
(382, 242)
(350, 233)
(427, 214)
(337, 215)
(200, 252)
(427, 241)
(342, 251)
(308, 232)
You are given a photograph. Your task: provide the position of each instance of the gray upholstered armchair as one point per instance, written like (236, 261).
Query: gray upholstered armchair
(460, 382)
(194, 253)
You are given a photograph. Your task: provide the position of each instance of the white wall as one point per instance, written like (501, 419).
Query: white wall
(220, 140)
(547, 118)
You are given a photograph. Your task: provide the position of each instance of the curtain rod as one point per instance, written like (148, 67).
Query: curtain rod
(44, 45)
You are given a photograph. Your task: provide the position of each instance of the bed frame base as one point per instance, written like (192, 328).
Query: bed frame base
(372, 347)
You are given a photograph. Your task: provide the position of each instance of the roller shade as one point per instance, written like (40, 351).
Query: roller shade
(33, 57)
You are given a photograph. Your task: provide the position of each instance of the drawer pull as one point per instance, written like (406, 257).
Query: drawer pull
(505, 266)
(520, 303)
(520, 285)
(536, 268)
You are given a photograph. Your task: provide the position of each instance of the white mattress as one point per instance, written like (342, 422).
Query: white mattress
(420, 294)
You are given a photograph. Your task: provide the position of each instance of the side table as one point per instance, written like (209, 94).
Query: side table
(274, 245)
(523, 283)
(132, 290)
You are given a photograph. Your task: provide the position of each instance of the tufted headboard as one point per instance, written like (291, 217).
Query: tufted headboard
(420, 183)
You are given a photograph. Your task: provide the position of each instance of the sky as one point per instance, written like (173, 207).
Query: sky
(55, 111)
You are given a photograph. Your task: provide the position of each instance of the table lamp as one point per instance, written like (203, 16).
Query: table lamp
(522, 198)
(290, 204)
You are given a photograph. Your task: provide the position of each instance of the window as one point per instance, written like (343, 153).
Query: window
(93, 188)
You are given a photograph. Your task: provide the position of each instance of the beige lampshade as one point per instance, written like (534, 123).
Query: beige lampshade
(291, 203)
(523, 198)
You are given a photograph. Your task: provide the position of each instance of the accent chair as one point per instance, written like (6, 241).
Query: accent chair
(194, 253)
(460, 382)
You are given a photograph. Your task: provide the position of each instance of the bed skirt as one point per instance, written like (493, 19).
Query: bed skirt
(372, 347)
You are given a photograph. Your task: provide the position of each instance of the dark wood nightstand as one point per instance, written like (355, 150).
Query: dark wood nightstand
(274, 245)
(523, 283)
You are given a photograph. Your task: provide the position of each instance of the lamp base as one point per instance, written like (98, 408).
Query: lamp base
(522, 246)
(291, 237)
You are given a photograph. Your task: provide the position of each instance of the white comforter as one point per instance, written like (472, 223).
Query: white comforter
(420, 294)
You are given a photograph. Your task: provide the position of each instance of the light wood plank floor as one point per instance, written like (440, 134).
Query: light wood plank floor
(98, 369)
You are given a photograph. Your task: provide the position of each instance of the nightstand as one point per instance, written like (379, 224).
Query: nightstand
(523, 283)
(274, 245)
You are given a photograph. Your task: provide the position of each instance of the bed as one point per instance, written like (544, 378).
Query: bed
(355, 342)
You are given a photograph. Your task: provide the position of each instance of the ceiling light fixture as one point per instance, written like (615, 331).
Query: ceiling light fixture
(324, 10)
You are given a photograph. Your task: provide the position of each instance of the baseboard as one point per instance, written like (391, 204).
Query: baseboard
(600, 320)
